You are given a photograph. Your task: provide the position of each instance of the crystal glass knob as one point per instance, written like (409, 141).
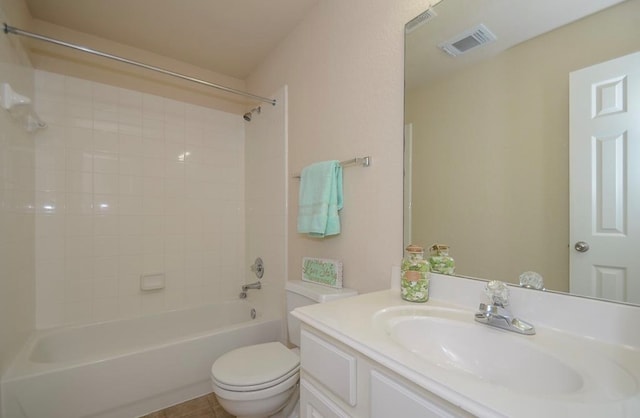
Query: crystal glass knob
(498, 293)
(532, 280)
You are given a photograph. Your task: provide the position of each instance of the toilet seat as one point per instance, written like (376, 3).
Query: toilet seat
(280, 389)
(255, 367)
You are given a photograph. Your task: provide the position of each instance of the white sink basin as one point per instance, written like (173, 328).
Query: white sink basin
(452, 340)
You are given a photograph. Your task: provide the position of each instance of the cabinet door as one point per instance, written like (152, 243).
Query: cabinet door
(390, 398)
(330, 365)
(313, 404)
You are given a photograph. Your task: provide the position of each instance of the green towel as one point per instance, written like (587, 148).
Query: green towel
(320, 199)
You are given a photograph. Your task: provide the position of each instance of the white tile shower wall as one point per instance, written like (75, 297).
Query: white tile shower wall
(130, 183)
(17, 242)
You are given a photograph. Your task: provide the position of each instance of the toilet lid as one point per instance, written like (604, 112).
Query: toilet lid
(254, 367)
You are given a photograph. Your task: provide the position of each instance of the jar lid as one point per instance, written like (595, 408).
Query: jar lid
(414, 249)
(439, 248)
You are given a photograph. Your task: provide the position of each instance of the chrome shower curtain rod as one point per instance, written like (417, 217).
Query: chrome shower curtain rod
(16, 31)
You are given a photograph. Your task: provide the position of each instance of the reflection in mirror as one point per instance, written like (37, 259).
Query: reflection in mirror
(488, 170)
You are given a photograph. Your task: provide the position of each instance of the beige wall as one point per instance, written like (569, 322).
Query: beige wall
(344, 69)
(17, 274)
(492, 143)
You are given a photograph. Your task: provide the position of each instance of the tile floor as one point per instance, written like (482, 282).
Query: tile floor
(206, 406)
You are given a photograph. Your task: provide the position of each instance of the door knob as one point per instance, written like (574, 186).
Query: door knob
(581, 247)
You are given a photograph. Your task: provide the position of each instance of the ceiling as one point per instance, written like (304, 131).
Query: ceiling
(228, 37)
(511, 21)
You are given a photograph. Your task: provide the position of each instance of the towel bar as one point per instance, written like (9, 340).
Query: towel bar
(363, 161)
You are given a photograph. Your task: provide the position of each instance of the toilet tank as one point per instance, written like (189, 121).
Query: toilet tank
(301, 293)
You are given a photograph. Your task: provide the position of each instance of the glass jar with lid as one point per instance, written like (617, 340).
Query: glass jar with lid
(414, 273)
(440, 261)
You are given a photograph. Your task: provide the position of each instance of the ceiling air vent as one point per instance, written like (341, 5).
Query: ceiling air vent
(468, 40)
(420, 20)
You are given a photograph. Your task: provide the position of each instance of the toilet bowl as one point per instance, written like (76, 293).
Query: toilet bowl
(260, 381)
(259, 404)
(256, 381)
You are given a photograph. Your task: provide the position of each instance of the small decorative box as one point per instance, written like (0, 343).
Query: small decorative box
(322, 271)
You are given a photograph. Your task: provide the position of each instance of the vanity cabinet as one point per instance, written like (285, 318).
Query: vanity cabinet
(333, 366)
(314, 403)
(340, 382)
(390, 397)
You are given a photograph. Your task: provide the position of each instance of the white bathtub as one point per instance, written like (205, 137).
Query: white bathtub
(128, 368)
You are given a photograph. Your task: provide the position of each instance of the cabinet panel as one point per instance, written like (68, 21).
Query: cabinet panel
(330, 365)
(313, 404)
(390, 398)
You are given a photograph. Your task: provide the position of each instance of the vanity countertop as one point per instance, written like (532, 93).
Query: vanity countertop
(610, 384)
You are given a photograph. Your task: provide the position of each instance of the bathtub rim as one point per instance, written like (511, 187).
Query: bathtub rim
(23, 367)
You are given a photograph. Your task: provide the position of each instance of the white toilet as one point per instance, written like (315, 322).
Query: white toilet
(261, 380)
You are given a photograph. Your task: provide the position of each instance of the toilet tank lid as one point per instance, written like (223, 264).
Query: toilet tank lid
(318, 292)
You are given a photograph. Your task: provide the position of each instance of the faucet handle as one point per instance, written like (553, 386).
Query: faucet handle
(498, 293)
(532, 280)
(258, 268)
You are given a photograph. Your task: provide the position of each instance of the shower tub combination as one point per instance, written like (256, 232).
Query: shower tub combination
(128, 368)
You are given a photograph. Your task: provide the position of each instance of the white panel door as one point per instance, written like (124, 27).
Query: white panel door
(605, 180)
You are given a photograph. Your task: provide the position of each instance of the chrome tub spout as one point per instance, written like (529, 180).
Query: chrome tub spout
(256, 285)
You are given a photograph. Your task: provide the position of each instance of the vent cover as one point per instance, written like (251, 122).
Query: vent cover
(419, 20)
(468, 40)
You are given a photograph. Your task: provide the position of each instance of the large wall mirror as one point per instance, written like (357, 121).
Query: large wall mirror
(487, 141)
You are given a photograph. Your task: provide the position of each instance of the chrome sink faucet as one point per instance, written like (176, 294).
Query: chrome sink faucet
(497, 315)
